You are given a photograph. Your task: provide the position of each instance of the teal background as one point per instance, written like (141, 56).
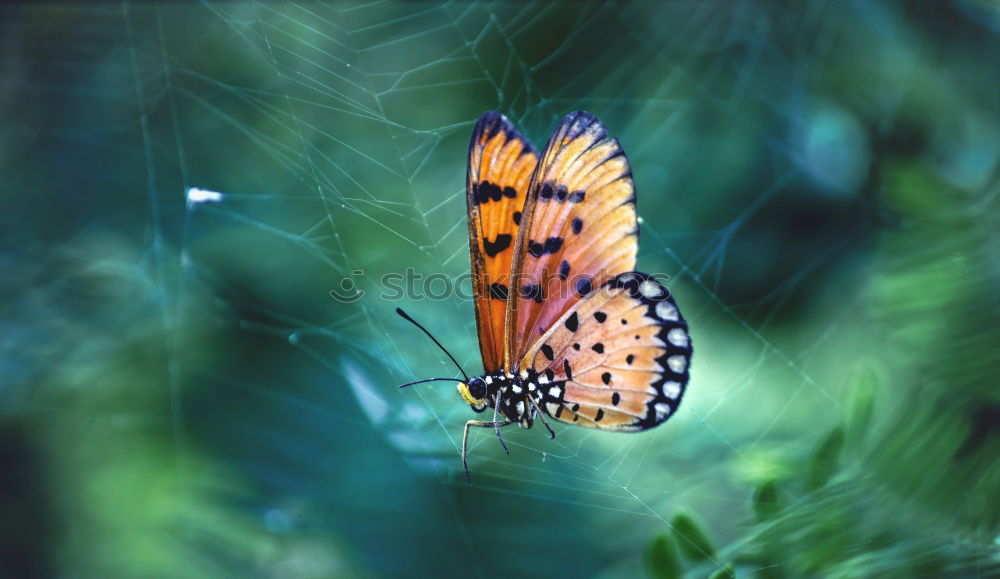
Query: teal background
(180, 396)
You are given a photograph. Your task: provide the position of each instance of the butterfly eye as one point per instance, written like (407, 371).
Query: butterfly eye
(477, 388)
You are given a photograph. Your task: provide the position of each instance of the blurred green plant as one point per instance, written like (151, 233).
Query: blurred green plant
(97, 473)
(662, 559)
(907, 489)
(686, 537)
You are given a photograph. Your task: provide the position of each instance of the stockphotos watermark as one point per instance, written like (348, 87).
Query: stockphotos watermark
(412, 285)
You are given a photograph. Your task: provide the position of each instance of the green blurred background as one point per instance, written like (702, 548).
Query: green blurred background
(181, 397)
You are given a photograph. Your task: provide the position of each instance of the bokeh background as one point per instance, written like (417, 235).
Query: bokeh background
(180, 396)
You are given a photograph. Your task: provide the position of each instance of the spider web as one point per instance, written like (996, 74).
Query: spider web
(287, 148)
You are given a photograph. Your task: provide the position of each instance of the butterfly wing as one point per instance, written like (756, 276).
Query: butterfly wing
(617, 360)
(501, 162)
(578, 229)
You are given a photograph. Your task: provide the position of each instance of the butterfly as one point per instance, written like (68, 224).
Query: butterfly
(567, 329)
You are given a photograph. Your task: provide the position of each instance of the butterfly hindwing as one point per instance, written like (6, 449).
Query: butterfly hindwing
(617, 360)
(578, 229)
(501, 163)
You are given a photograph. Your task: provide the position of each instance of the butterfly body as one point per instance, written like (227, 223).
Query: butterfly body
(568, 330)
(509, 394)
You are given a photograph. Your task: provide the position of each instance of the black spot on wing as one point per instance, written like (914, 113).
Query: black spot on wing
(598, 347)
(629, 359)
(615, 399)
(564, 269)
(567, 369)
(486, 192)
(606, 378)
(577, 225)
(517, 218)
(577, 196)
(572, 322)
(584, 286)
(547, 350)
(561, 193)
(498, 291)
(545, 193)
(492, 248)
(599, 415)
(600, 316)
(533, 292)
(551, 245)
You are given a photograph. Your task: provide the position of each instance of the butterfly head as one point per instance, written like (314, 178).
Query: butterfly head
(474, 393)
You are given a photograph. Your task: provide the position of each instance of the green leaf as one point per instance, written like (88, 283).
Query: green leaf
(862, 385)
(765, 500)
(692, 542)
(826, 458)
(661, 558)
(726, 572)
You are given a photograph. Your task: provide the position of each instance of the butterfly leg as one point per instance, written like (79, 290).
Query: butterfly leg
(496, 408)
(542, 416)
(465, 441)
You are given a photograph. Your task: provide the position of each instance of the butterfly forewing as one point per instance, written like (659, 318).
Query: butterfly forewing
(578, 229)
(617, 360)
(501, 163)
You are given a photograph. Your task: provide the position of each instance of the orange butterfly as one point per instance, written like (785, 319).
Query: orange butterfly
(567, 329)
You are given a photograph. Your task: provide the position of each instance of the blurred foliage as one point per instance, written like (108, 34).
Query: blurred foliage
(693, 543)
(661, 557)
(180, 396)
(97, 471)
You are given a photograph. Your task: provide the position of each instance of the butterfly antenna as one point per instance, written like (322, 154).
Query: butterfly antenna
(427, 380)
(443, 349)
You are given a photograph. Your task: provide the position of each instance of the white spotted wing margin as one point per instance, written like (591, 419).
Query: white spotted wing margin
(619, 359)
